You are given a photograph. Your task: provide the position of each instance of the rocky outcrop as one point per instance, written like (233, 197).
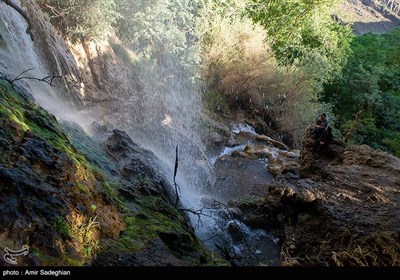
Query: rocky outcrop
(343, 210)
(48, 188)
(314, 156)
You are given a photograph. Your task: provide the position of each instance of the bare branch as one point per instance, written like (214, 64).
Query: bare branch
(48, 79)
(19, 75)
(198, 213)
(177, 188)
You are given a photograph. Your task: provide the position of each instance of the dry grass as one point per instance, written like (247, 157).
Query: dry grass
(84, 233)
(376, 249)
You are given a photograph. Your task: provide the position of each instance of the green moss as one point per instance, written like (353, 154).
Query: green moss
(46, 260)
(83, 188)
(110, 191)
(62, 227)
(156, 218)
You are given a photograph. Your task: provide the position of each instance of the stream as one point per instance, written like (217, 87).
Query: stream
(236, 178)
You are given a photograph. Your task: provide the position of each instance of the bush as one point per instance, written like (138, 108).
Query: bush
(238, 63)
(366, 97)
(162, 29)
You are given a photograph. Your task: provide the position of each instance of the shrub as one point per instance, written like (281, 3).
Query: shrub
(237, 62)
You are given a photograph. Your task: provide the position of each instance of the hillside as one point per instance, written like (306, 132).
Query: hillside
(368, 16)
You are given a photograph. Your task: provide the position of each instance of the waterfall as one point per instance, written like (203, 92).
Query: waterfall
(19, 53)
(163, 113)
(156, 100)
(161, 108)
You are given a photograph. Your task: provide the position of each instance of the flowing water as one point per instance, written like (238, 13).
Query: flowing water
(237, 178)
(166, 113)
(18, 53)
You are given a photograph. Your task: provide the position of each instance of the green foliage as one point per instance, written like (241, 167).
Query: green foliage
(62, 227)
(239, 65)
(366, 97)
(300, 29)
(215, 102)
(159, 29)
(78, 19)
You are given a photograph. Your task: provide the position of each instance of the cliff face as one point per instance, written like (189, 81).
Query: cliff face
(28, 41)
(370, 16)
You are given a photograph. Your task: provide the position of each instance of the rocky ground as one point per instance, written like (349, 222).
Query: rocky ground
(341, 208)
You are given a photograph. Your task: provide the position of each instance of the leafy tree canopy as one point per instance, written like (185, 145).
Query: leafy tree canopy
(78, 19)
(300, 28)
(366, 97)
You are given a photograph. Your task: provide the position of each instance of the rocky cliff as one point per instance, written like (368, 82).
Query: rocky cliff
(369, 16)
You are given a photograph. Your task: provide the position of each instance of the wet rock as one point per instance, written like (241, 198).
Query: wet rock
(281, 165)
(215, 137)
(293, 154)
(232, 143)
(238, 176)
(272, 142)
(256, 151)
(240, 154)
(98, 131)
(156, 253)
(235, 231)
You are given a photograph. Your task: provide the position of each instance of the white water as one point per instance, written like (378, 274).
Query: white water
(18, 53)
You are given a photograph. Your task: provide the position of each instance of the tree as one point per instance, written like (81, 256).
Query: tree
(366, 97)
(77, 19)
(298, 28)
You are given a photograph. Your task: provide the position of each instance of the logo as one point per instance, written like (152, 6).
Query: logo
(10, 255)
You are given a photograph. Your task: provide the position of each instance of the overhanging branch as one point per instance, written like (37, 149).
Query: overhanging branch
(48, 79)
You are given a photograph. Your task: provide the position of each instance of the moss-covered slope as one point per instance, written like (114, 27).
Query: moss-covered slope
(71, 206)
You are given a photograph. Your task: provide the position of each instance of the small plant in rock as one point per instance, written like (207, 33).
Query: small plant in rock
(62, 227)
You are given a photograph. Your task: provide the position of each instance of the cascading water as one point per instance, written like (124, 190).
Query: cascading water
(164, 113)
(18, 53)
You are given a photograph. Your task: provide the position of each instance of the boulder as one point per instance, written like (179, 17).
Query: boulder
(313, 156)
